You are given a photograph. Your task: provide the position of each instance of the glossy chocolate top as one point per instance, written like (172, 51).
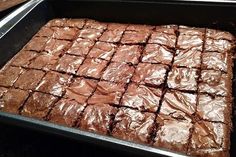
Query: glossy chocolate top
(163, 39)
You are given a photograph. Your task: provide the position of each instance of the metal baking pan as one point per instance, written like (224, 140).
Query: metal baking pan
(19, 26)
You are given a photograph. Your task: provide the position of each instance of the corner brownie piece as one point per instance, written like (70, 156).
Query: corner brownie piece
(66, 112)
(134, 37)
(183, 79)
(95, 24)
(163, 39)
(33, 78)
(54, 83)
(38, 105)
(214, 108)
(118, 72)
(90, 33)
(9, 75)
(112, 36)
(81, 89)
(80, 47)
(98, 118)
(220, 45)
(56, 47)
(154, 53)
(77, 23)
(142, 97)
(128, 54)
(214, 82)
(190, 58)
(102, 50)
(68, 64)
(92, 68)
(218, 34)
(12, 100)
(173, 133)
(133, 125)
(150, 74)
(107, 93)
(23, 58)
(36, 44)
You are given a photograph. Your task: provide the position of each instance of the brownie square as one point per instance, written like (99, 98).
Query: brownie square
(2, 91)
(142, 97)
(95, 24)
(218, 34)
(9, 75)
(36, 108)
(214, 82)
(66, 112)
(172, 133)
(118, 72)
(150, 74)
(98, 118)
(80, 47)
(190, 58)
(183, 79)
(220, 45)
(107, 93)
(213, 108)
(77, 23)
(92, 68)
(12, 100)
(112, 36)
(81, 89)
(56, 23)
(215, 61)
(65, 33)
(134, 37)
(154, 53)
(90, 33)
(116, 26)
(44, 61)
(178, 104)
(23, 58)
(56, 47)
(137, 27)
(36, 44)
(186, 30)
(190, 42)
(68, 64)
(128, 54)
(54, 83)
(163, 39)
(133, 125)
(102, 50)
(168, 29)
(45, 32)
(33, 78)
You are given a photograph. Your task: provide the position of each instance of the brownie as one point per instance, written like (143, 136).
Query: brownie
(183, 79)
(92, 68)
(56, 23)
(12, 100)
(142, 97)
(97, 118)
(218, 34)
(155, 53)
(118, 72)
(38, 105)
(66, 112)
(2, 91)
(213, 108)
(65, 33)
(90, 33)
(56, 47)
(172, 133)
(163, 39)
(102, 50)
(68, 64)
(194, 31)
(190, 58)
(138, 27)
(36, 44)
(95, 24)
(211, 152)
(190, 42)
(107, 93)
(214, 82)
(77, 23)
(215, 61)
(33, 78)
(128, 54)
(220, 45)
(80, 89)
(150, 74)
(80, 47)
(54, 83)
(178, 104)
(168, 29)
(133, 125)
(134, 37)
(44, 61)
(45, 32)
(23, 58)
(112, 36)
(116, 26)
(9, 75)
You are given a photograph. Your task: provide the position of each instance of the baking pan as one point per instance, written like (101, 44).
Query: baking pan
(19, 27)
